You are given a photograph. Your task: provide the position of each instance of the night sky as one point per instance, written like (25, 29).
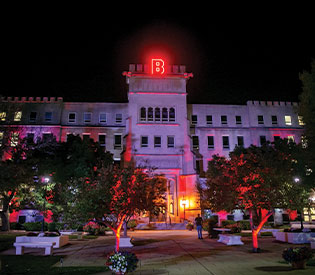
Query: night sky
(81, 56)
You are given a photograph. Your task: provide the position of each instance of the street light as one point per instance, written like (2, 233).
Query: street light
(45, 181)
(183, 203)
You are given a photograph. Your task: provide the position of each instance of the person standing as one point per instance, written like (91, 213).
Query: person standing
(198, 222)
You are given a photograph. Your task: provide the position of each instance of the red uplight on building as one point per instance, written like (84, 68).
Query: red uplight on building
(158, 66)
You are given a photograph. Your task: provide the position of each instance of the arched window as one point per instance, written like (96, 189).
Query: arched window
(143, 114)
(150, 114)
(172, 114)
(164, 114)
(157, 114)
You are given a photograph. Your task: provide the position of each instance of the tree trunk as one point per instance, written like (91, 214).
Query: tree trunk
(5, 221)
(256, 230)
(302, 217)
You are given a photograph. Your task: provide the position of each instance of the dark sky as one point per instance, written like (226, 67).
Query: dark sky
(81, 55)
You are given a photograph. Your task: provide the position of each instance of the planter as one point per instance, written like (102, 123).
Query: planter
(299, 265)
(294, 237)
(59, 240)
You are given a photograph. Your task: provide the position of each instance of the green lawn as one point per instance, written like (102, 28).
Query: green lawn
(28, 264)
(7, 240)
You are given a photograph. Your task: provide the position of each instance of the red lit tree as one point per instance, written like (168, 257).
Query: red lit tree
(257, 179)
(115, 194)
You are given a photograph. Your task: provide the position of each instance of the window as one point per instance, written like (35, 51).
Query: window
(17, 116)
(48, 116)
(157, 113)
(102, 140)
(260, 119)
(224, 120)
(118, 118)
(3, 115)
(301, 122)
(87, 117)
(33, 116)
(240, 141)
(170, 141)
(195, 141)
(290, 138)
(172, 114)
(117, 142)
(164, 114)
(238, 120)
(225, 142)
(262, 140)
(143, 114)
(194, 119)
(71, 117)
(1, 138)
(209, 120)
(157, 141)
(210, 142)
(150, 114)
(287, 120)
(14, 139)
(274, 120)
(102, 118)
(144, 141)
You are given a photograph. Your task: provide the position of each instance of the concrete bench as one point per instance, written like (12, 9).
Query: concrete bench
(229, 239)
(47, 245)
(312, 241)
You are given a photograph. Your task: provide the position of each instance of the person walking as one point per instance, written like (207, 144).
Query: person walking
(198, 222)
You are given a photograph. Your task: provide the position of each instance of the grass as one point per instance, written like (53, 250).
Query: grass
(28, 264)
(7, 240)
(84, 237)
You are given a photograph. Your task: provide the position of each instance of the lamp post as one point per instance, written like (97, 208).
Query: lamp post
(183, 203)
(45, 181)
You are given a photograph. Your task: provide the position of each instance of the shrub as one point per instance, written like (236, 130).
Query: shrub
(244, 225)
(227, 222)
(34, 226)
(122, 262)
(92, 228)
(189, 226)
(132, 223)
(292, 254)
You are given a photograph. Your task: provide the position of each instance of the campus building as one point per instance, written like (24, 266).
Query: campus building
(158, 128)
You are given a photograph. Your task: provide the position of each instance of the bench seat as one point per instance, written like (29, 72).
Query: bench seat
(229, 239)
(47, 245)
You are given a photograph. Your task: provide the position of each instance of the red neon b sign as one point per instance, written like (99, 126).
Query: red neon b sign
(158, 66)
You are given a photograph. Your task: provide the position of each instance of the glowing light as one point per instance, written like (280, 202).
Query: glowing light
(158, 66)
(183, 203)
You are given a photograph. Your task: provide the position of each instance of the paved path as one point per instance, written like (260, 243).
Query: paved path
(180, 252)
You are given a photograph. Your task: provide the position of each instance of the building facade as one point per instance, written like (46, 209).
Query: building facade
(158, 128)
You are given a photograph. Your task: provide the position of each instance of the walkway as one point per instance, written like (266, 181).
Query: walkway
(180, 252)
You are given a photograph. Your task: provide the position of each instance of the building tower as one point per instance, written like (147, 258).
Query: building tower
(157, 132)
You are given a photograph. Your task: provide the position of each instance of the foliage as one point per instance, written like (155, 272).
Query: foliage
(244, 225)
(307, 111)
(34, 226)
(257, 179)
(132, 223)
(122, 262)
(93, 228)
(189, 225)
(295, 254)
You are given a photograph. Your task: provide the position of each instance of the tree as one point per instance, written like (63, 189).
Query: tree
(257, 179)
(307, 111)
(16, 179)
(114, 195)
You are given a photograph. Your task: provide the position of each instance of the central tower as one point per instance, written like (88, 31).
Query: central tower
(158, 131)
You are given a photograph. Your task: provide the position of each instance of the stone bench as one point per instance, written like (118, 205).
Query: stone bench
(229, 239)
(47, 245)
